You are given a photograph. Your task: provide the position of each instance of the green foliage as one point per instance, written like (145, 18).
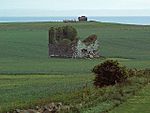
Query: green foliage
(56, 35)
(52, 35)
(69, 32)
(109, 73)
(59, 34)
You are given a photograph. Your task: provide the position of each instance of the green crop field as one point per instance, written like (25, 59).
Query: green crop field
(18, 91)
(24, 47)
(138, 104)
(28, 75)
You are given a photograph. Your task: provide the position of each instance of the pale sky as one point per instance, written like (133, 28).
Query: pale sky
(74, 7)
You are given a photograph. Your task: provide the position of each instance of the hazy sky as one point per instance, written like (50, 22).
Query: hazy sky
(74, 7)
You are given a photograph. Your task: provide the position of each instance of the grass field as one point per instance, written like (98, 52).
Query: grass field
(24, 52)
(18, 91)
(24, 47)
(138, 104)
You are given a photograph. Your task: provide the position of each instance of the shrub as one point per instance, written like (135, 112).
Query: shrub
(109, 73)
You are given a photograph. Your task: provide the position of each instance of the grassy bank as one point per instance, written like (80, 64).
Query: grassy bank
(138, 104)
(19, 91)
(27, 91)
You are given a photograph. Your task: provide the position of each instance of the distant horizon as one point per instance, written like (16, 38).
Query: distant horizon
(136, 20)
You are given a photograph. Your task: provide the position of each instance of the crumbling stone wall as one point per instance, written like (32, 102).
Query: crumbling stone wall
(63, 43)
(64, 51)
(88, 48)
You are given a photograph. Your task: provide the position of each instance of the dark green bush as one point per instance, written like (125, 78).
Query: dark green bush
(109, 73)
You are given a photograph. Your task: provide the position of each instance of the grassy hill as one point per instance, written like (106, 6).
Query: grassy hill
(24, 47)
(24, 50)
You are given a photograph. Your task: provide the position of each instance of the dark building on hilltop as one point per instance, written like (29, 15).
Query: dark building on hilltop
(82, 18)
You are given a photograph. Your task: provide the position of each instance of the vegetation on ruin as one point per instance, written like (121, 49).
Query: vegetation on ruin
(62, 34)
